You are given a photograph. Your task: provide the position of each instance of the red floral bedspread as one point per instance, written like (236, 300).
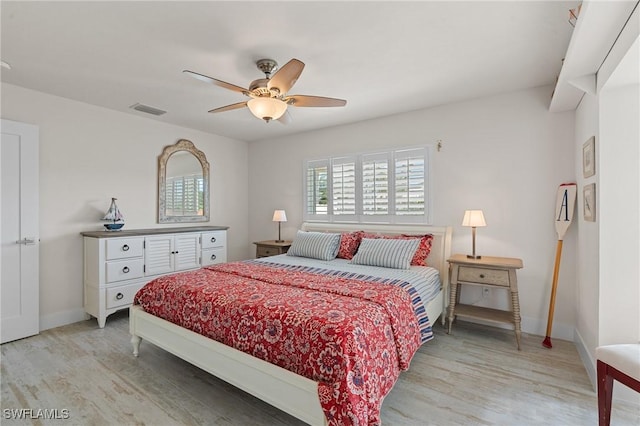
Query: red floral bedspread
(351, 336)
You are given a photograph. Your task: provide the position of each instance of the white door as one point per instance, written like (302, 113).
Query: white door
(19, 261)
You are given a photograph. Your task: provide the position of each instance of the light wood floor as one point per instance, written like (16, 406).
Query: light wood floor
(473, 377)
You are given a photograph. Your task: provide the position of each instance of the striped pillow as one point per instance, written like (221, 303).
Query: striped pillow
(316, 245)
(388, 253)
(421, 254)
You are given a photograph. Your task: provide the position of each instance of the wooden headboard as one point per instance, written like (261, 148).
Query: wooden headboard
(440, 247)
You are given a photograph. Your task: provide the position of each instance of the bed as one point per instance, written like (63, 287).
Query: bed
(284, 389)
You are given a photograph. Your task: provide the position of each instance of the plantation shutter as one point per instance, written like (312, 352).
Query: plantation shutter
(316, 189)
(375, 184)
(343, 181)
(411, 182)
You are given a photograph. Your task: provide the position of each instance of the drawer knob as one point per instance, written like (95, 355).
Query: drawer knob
(213, 239)
(119, 296)
(125, 247)
(125, 269)
(481, 275)
(213, 257)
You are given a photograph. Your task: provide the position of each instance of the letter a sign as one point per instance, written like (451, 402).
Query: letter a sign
(565, 204)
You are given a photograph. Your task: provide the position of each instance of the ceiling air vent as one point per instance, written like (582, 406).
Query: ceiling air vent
(147, 109)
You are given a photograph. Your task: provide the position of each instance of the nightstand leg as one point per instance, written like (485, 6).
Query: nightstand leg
(515, 303)
(516, 315)
(453, 291)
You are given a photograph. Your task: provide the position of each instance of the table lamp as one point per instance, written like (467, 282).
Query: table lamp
(473, 218)
(279, 216)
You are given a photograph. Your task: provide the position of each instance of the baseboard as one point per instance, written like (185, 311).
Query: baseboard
(59, 319)
(539, 328)
(587, 360)
(533, 326)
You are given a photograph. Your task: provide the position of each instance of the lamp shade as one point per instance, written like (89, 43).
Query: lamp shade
(267, 108)
(279, 216)
(473, 218)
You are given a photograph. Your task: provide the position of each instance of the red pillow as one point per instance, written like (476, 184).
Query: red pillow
(424, 248)
(349, 243)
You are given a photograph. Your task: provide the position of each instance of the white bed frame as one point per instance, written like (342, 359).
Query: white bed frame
(281, 388)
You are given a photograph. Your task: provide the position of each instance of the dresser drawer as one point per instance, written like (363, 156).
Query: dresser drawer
(483, 276)
(121, 270)
(213, 256)
(122, 295)
(265, 251)
(122, 248)
(214, 239)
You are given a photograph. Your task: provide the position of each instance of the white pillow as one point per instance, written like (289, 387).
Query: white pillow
(316, 245)
(388, 253)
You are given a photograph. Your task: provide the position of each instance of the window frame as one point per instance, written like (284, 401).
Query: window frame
(392, 155)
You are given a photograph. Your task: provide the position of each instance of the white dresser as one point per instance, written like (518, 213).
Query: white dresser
(118, 264)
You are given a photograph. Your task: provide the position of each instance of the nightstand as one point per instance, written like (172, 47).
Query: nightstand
(492, 272)
(271, 248)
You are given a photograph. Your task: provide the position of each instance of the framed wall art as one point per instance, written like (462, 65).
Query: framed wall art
(589, 202)
(589, 157)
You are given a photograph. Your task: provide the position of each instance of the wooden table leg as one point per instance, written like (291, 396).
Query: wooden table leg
(515, 304)
(453, 290)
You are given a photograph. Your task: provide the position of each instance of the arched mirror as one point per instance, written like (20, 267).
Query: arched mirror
(183, 184)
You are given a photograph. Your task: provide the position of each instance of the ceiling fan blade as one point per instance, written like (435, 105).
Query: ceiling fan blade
(286, 76)
(314, 101)
(285, 118)
(230, 107)
(217, 82)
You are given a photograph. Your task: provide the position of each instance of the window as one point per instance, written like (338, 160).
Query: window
(383, 187)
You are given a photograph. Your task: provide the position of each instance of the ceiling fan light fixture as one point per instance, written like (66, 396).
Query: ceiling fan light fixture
(267, 109)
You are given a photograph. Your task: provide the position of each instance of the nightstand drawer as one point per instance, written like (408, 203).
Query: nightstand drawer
(483, 276)
(262, 251)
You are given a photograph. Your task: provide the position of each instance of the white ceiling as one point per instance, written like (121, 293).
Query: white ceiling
(382, 57)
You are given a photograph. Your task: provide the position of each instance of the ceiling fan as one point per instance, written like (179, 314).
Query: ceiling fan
(269, 99)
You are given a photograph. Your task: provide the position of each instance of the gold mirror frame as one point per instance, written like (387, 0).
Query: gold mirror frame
(181, 145)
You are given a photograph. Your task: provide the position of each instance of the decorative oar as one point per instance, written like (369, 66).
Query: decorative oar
(565, 204)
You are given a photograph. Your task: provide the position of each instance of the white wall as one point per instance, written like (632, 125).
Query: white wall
(89, 154)
(608, 289)
(619, 207)
(587, 263)
(504, 154)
